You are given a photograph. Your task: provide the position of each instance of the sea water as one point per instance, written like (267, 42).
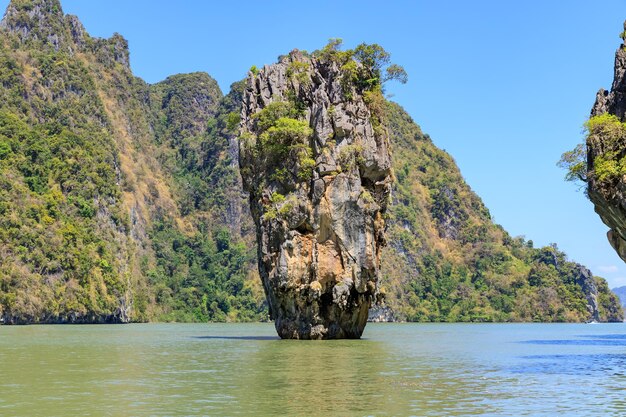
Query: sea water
(244, 369)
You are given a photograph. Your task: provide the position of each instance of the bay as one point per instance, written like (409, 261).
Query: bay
(244, 369)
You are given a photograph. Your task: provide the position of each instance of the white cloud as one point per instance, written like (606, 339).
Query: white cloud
(616, 282)
(608, 269)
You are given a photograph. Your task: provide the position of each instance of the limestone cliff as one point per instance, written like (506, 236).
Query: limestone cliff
(319, 176)
(606, 149)
(73, 262)
(119, 200)
(123, 201)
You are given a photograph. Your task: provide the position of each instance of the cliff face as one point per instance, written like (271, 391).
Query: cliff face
(319, 177)
(448, 261)
(67, 255)
(123, 201)
(114, 193)
(606, 147)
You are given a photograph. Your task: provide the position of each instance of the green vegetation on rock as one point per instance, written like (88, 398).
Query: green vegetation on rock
(447, 260)
(118, 200)
(123, 201)
(606, 134)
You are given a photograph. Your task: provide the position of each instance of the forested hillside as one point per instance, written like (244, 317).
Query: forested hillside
(448, 261)
(120, 200)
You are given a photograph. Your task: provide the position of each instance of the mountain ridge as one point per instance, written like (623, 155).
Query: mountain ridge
(131, 206)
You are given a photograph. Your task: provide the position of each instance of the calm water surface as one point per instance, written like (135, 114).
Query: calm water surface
(243, 369)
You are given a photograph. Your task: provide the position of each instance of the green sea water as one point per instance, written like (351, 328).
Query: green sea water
(244, 369)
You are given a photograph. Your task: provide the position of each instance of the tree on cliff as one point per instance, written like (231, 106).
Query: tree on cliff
(375, 67)
(605, 134)
(574, 162)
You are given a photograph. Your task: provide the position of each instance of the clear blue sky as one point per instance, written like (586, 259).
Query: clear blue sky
(502, 86)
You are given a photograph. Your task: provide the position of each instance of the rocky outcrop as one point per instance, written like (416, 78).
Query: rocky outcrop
(319, 175)
(381, 314)
(42, 24)
(609, 197)
(37, 20)
(586, 281)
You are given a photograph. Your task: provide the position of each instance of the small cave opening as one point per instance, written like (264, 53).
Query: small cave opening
(326, 301)
(304, 228)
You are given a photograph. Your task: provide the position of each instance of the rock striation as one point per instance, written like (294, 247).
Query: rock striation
(317, 166)
(609, 196)
(584, 279)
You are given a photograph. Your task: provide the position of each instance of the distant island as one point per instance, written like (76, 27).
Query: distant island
(123, 201)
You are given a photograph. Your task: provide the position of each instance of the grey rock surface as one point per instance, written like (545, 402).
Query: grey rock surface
(611, 208)
(319, 243)
(381, 314)
(588, 285)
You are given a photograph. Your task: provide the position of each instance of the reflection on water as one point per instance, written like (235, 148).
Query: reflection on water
(290, 377)
(398, 369)
(239, 337)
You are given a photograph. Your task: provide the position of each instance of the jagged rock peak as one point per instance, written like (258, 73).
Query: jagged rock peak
(41, 9)
(609, 195)
(316, 161)
(36, 19)
(42, 23)
(613, 101)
